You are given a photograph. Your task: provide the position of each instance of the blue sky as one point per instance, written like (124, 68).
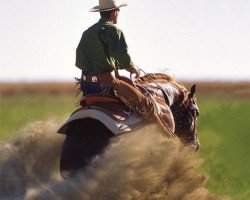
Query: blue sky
(193, 39)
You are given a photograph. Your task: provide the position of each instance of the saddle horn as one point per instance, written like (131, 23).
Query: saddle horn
(192, 91)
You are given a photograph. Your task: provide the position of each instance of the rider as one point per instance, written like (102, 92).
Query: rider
(103, 49)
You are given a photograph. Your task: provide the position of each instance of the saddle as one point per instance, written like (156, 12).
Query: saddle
(111, 105)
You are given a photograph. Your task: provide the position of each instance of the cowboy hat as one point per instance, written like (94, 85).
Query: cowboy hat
(107, 5)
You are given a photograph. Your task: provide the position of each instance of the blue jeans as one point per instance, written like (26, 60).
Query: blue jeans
(91, 88)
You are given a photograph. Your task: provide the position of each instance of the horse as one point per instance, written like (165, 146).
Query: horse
(90, 128)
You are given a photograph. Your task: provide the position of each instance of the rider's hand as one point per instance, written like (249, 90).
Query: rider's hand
(134, 70)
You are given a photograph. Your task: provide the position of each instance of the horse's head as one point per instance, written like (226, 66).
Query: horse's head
(185, 113)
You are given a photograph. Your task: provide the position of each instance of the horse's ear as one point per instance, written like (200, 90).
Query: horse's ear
(192, 91)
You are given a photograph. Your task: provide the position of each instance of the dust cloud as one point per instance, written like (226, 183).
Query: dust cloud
(138, 165)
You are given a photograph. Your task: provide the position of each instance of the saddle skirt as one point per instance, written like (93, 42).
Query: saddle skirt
(108, 104)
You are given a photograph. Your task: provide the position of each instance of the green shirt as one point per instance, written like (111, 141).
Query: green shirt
(102, 48)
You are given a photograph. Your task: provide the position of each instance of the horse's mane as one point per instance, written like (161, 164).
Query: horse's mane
(161, 77)
(150, 77)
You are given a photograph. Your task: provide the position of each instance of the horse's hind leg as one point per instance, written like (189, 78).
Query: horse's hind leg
(80, 148)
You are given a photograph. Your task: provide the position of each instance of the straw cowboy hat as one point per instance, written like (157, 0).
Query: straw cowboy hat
(107, 5)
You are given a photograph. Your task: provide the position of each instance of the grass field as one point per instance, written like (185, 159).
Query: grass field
(223, 125)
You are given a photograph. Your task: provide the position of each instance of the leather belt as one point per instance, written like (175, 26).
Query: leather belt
(105, 77)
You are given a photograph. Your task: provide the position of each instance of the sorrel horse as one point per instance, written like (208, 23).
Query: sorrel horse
(90, 128)
(181, 102)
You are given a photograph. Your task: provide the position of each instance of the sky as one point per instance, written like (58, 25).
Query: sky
(191, 39)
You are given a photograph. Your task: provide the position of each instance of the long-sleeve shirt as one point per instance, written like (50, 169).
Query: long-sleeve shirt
(102, 48)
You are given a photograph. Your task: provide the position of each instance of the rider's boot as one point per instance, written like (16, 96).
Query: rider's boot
(164, 125)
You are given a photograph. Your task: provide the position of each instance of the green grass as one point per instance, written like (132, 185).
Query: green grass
(223, 131)
(18, 110)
